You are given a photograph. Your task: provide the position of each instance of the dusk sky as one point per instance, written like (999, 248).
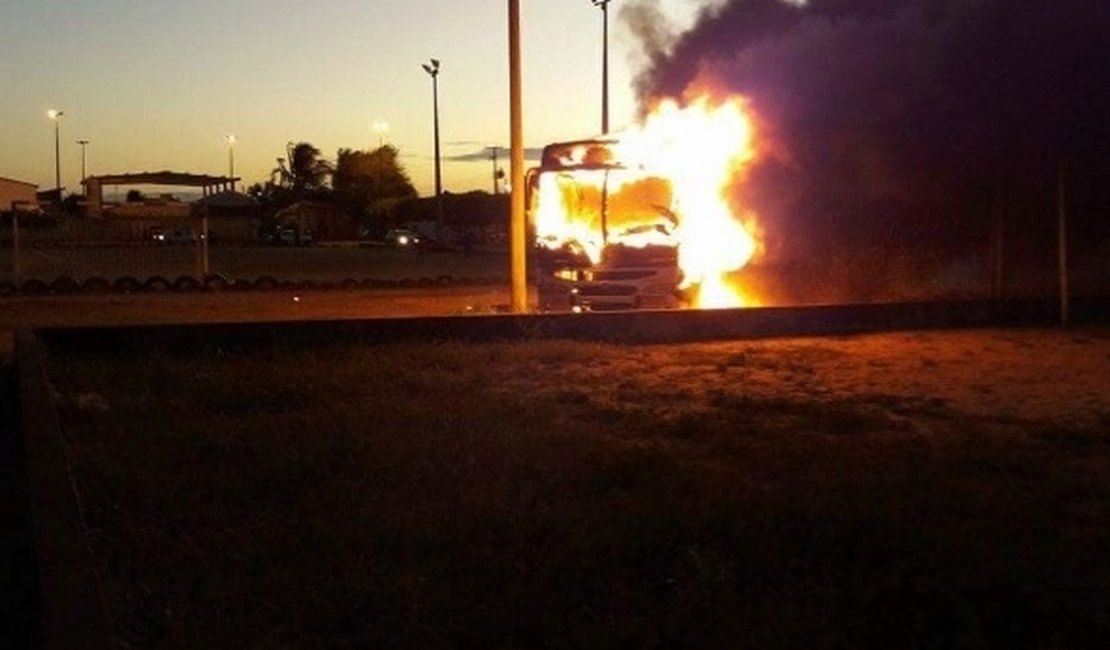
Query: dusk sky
(154, 84)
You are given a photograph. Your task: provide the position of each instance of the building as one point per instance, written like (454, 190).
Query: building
(17, 194)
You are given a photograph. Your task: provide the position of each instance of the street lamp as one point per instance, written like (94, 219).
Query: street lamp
(497, 175)
(83, 142)
(56, 115)
(230, 158)
(433, 71)
(604, 4)
(381, 128)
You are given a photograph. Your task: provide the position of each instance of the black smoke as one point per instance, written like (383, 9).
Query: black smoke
(900, 122)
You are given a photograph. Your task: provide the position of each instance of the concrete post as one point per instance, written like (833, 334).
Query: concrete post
(517, 224)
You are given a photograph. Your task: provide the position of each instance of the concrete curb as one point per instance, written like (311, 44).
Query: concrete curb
(71, 606)
(621, 327)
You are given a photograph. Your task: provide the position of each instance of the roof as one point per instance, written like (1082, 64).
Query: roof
(163, 178)
(17, 182)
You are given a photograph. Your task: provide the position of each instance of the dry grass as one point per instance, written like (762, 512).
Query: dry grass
(902, 490)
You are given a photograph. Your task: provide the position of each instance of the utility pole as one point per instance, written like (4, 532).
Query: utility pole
(604, 4)
(519, 278)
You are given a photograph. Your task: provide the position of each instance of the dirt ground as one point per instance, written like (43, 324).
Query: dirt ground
(887, 490)
(1044, 374)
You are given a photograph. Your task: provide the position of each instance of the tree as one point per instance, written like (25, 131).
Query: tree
(304, 173)
(365, 178)
(271, 195)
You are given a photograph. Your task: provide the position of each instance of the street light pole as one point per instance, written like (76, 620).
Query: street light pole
(381, 128)
(604, 4)
(56, 115)
(230, 158)
(433, 70)
(83, 142)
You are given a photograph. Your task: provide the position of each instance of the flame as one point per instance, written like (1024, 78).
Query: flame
(669, 189)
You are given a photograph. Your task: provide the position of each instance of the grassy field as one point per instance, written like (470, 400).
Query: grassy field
(945, 489)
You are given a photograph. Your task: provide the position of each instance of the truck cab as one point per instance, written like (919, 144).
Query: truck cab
(603, 231)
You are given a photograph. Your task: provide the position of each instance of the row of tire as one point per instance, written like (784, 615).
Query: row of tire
(65, 285)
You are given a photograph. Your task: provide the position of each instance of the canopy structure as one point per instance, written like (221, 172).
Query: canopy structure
(94, 185)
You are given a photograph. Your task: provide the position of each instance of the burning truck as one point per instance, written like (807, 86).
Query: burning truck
(604, 231)
(641, 220)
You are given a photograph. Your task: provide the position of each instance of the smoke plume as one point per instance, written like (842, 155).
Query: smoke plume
(904, 118)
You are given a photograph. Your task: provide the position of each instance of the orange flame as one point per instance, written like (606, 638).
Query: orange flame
(669, 190)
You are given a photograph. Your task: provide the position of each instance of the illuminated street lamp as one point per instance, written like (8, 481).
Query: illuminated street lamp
(230, 158)
(433, 71)
(83, 142)
(381, 128)
(56, 115)
(604, 4)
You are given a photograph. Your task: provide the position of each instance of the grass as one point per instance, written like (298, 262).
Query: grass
(854, 492)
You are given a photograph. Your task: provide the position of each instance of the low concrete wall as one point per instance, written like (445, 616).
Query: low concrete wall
(625, 327)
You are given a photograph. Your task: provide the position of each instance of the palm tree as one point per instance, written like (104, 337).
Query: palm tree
(303, 171)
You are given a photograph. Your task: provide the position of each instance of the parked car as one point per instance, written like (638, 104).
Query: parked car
(178, 235)
(279, 235)
(401, 238)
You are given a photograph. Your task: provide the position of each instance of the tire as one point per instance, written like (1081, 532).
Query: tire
(445, 280)
(64, 284)
(8, 289)
(127, 284)
(33, 287)
(96, 285)
(349, 284)
(157, 283)
(186, 283)
(239, 284)
(265, 283)
(215, 282)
